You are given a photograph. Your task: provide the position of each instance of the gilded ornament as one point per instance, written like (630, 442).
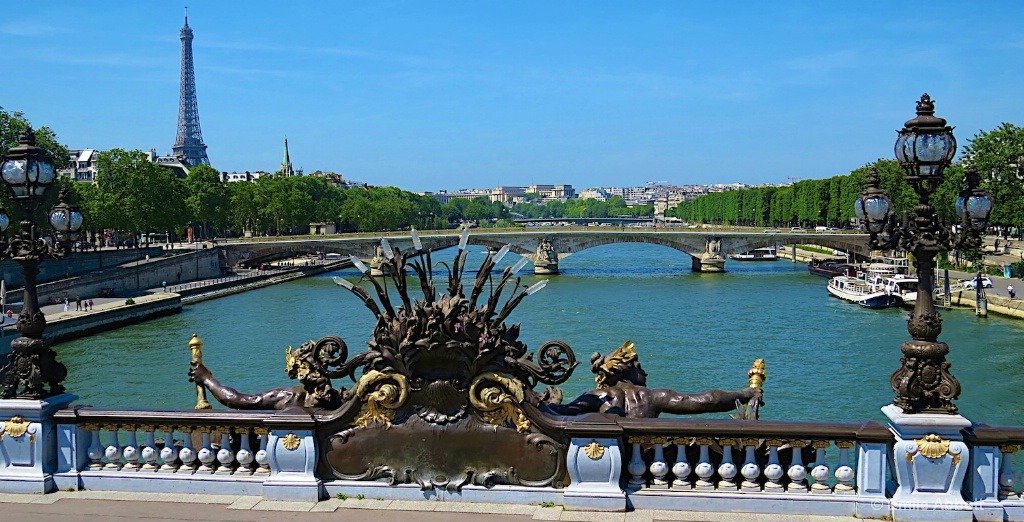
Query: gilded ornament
(727, 442)
(166, 429)
(844, 444)
(636, 440)
(820, 444)
(145, 428)
(16, 427)
(659, 440)
(774, 443)
(594, 450)
(497, 396)
(932, 446)
(705, 441)
(261, 431)
(1009, 448)
(750, 442)
(380, 400)
(624, 355)
(91, 427)
(757, 374)
(798, 443)
(291, 442)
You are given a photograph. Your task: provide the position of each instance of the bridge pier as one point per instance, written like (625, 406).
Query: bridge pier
(545, 261)
(712, 259)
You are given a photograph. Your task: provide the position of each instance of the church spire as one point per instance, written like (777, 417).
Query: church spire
(286, 165)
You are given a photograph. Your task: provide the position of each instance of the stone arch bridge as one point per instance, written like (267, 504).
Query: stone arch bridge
(546, 248)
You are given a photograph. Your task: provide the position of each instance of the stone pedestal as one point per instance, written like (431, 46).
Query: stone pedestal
(595, 467)
(292, 456)
(931, 461)
(28, 443)
(545, 268)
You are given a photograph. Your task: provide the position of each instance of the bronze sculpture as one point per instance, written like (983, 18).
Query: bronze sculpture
(444, 394)
(622, 390)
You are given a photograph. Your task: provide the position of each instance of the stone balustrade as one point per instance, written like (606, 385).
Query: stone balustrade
(679, 464)
(992, 485)
(763, 467)
(225, 452)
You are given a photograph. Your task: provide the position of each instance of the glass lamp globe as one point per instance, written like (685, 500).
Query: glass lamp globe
(26, 170)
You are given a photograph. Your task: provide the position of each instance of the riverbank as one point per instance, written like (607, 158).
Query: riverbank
(110, 313)
(999, 301)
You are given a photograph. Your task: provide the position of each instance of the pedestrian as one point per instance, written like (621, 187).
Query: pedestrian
(78, 303)
(164, 284)
(66, 304)
(90, 304)
(1012, 291)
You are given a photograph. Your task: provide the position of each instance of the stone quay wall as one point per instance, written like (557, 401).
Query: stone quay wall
(77, 263)
(71, 325)
(131, 279)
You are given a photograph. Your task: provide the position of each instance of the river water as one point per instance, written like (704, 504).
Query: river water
(827, 360)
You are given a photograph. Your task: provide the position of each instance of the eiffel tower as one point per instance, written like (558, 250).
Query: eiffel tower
(189, 143)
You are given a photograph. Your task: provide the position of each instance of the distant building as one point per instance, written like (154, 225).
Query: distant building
(508, 195)
(175, 162)
(81, 165)
(243, 176)
(599, 194)
(559, 192)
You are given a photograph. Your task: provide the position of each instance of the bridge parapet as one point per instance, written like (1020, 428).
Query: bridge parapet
(709, 249)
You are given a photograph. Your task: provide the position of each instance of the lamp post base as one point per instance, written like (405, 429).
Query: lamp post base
(931, 461)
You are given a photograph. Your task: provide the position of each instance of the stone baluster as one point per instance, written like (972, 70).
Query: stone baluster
(844, 473)
(773, 471)
(704, 468)
(205, 454)
(113, 450)
(727, 469)
(187, 453)
(261, 456)
(659, 468)
(149, 452)
(244, 456)
(681, 469)
(751, 471)
(95, 451)
(168, 454)
(1006, 473)
(820, 472)
(131, 450)
(636, 466)
(797, 471)
(225, 456)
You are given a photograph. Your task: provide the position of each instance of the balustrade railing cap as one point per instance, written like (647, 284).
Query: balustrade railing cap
(593, 425)
(81, 414)
(985, 435)
(868, 431)
(293, 418)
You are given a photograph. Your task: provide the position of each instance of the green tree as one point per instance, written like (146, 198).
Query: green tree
(207, 198)
(999, 157)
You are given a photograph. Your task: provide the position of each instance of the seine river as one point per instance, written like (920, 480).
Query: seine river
(827, 360)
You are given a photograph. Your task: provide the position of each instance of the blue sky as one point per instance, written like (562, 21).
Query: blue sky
(447, 95)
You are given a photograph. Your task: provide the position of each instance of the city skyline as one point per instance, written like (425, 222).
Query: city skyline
(458, 95)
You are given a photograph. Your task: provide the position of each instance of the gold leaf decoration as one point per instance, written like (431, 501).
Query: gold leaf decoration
(498, 396)
(383, 394)
(16, 427)
(594, 450)
(932, 446)
(291, 442)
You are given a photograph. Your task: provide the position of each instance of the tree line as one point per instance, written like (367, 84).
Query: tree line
(998, 155)
(134, 195)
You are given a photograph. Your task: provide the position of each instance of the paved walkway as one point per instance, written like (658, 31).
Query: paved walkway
(119, 506)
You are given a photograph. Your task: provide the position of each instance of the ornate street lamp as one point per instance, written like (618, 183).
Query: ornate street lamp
(925, 147)
(32, 370)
